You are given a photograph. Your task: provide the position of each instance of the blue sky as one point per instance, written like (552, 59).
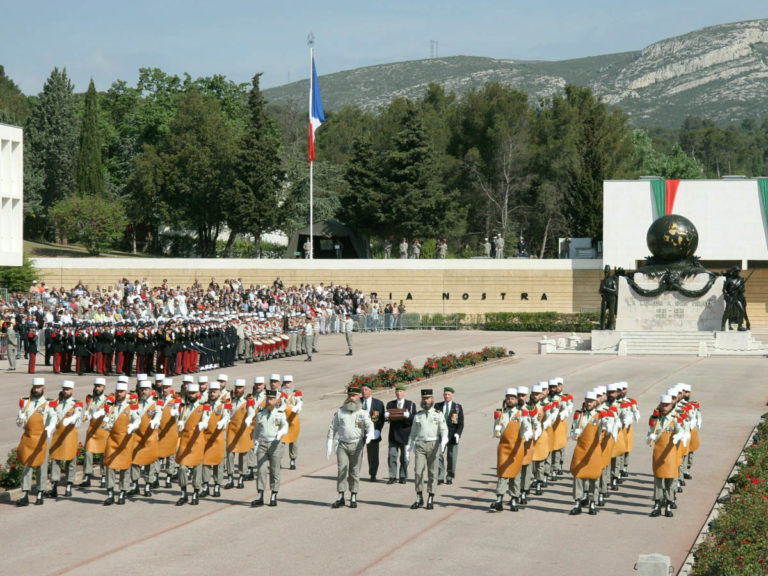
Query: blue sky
(108, 40)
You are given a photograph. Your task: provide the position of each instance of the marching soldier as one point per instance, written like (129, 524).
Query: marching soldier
(215, 441)
(542, 445)
(694, 410)
(168, 431)
(529, 410)
(37, 416)
(239, 434)
(609, 433)
(291, 402)
(587, 461)
(428, 428)
(63, 448)
(562, 404)
(664, 436)
(146, 440)
(122, 421)
(454, 419)
(631, 417)
(515, 432)
(95, 435)
(351, 428)
(271, 425)
(193, 420)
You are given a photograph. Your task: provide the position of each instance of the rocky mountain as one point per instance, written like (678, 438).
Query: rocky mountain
(720, 72)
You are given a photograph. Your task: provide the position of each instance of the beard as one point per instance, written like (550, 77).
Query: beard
(352, 405)
(33, 394)
(426, 405)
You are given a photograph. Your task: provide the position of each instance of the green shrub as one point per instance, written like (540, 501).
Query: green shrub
(737, 543)
(541, 321)
(10, 474)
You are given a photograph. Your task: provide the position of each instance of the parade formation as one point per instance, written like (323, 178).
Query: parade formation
(206, 438)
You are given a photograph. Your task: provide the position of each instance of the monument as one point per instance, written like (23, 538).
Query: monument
(672, 304)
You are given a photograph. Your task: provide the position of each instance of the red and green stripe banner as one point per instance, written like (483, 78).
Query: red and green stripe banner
(664, 193)
(762, 185)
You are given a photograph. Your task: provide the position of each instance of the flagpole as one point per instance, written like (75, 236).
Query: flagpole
(311, 43)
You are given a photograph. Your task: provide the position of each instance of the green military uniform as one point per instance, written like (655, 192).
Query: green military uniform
(353, 428)
(270, 427)
(429, 436)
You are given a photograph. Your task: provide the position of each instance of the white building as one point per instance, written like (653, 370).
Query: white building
(11, 195)
(729, 214)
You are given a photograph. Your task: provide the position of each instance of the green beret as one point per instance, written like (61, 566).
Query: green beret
(449, 389)
(400, 387)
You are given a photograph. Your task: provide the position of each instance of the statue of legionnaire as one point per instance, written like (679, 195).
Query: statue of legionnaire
(609, 290)
(735, 300)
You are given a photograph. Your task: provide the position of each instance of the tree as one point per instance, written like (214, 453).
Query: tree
(196, 166)
(19, 278)
(14, 108)
(254, 203)
(50, 148)
(89, 177)
(416, 204)
(585, 144)
(94, 221)
(363, 202)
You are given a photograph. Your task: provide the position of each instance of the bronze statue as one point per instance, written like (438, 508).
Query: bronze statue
(609, 291)
(735, 301)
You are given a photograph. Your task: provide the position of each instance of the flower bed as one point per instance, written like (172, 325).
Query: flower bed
(738, 538)
(390, 377)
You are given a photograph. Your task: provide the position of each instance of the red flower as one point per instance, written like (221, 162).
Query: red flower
(418, 379)
(755, 481)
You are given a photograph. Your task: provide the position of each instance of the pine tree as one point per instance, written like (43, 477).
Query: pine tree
(89, 174)
(415, 203)
(50, 148)
(254, 203)
(14, 108)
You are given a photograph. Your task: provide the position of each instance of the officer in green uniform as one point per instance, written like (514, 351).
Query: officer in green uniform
(429, 436)
(270, 427)
(352, 428)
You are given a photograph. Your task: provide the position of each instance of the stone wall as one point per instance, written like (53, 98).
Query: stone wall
(472, 286)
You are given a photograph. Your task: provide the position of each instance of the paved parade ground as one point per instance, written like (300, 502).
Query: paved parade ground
(303, 535)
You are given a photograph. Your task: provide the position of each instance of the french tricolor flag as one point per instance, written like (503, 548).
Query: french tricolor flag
(316, 115)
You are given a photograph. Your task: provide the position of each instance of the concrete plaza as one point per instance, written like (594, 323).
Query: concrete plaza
(303, 535)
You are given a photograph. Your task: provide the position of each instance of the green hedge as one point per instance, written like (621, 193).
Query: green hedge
(542, 321)
(737, 543)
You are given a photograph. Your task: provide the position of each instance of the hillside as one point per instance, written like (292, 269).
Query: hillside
(720, 72)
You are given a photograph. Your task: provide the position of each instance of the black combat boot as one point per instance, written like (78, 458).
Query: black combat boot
(39, 501)
(205, 492)
(353, 500)
(430, 502)
(53, 492)
(110, 498)
(498, 506)
(273, 499)
(668, 510)
(614, 484)
(195, 498)
(216, 491)
(259, 500)
(419, 502)
(592, 509)
(24, 500)
(339, 502)
(183, 500)
(68, 490)
(86, 483)
(576, 510)
(656, 509)
(513, 505)
(121, 498)
(148, 490)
